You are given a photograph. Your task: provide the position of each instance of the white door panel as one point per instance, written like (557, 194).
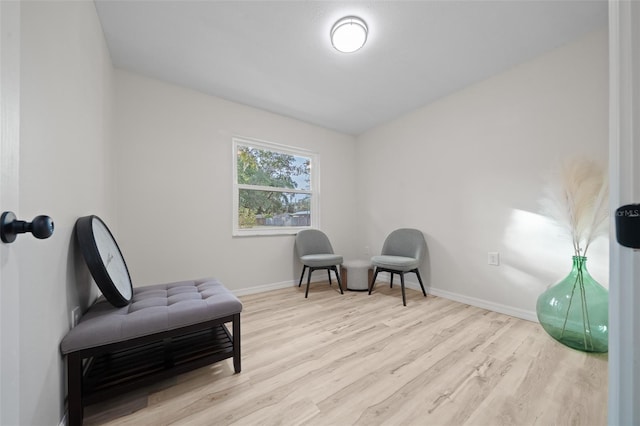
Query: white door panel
(624, 158)
(9, 163)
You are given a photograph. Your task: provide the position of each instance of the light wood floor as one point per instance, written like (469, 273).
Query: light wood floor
(355, 359)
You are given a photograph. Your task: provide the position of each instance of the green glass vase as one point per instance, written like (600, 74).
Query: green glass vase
(575, 311)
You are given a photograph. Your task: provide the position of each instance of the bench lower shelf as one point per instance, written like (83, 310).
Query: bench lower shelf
(126, 368)
(96, 374)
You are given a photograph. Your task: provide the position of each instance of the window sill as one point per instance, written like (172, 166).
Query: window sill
(260, 232)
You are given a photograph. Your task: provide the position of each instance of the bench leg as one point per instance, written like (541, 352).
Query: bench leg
(236, 343)
(74, 384)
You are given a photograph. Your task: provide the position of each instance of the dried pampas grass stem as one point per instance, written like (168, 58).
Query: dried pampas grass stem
(577, 198)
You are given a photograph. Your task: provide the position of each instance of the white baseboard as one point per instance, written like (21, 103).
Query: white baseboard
(479, 303)
(384, 277)
(315, 278)
(484, 304)
(263, 288)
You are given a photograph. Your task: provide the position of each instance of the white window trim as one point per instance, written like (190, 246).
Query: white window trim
(314, 188)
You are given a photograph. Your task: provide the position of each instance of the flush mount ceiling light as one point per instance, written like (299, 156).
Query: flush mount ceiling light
(349, 34)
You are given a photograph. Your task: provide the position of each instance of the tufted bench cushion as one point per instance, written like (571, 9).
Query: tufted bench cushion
(152, 309)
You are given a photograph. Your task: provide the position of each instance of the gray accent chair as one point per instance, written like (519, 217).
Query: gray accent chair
(315, 252)
(402, 252)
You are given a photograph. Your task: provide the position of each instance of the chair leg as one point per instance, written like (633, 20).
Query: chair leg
(302, 275)
(335, 269)
(391, 282)
(373, 280)
(329, 274)
(420, 281)
(404, 299)
(306, 293)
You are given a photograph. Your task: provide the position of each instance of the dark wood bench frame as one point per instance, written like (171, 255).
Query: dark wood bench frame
(101, 372)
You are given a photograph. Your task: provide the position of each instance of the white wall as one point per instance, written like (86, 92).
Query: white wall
(174, 162)
(468, 170)
(66, 101)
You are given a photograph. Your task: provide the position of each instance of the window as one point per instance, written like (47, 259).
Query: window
(275, 188)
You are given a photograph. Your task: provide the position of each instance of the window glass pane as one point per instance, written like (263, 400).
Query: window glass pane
(272, 208)
(274, 188)
(264, 167)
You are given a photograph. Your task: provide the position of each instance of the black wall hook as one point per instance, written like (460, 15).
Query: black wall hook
(41, 227)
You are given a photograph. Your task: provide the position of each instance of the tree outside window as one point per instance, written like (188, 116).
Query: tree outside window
(273, 188)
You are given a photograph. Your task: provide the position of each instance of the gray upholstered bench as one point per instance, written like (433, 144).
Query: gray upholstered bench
(167, 329)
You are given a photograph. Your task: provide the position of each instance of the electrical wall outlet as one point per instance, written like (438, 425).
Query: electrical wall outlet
(494, 258)
(367, 251)
(75, 316)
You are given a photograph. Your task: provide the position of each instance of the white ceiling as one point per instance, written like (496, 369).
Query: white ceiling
(276, 55)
